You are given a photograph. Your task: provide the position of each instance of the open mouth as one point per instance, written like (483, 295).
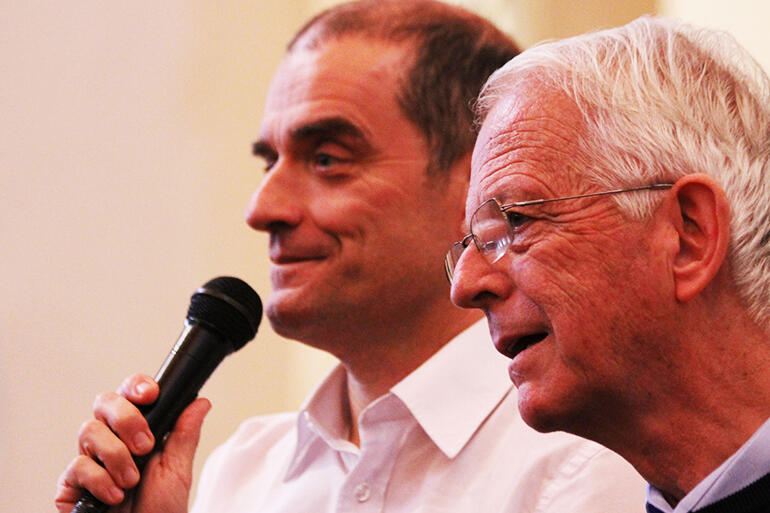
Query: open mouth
(523, 343)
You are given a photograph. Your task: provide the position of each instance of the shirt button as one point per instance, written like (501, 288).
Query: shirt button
(362, 492)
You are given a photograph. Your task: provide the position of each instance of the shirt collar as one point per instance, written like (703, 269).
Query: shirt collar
(322, 419)
(450, 395)
(456, 389)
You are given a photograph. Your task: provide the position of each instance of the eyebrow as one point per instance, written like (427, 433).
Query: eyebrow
(327, 128)
(323, 129)
(262, 148)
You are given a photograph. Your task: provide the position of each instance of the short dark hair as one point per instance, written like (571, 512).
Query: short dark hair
(454, 53)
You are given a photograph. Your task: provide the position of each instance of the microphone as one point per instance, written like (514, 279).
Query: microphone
(223, 316)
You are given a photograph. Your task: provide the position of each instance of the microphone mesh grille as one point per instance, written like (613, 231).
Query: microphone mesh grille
(230, 306)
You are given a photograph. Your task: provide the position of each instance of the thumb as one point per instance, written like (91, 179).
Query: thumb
(180, 446)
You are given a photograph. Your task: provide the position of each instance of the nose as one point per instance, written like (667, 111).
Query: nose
(276, 204)
(476, 283)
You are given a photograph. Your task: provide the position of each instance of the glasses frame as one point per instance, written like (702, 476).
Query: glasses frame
(448, 259)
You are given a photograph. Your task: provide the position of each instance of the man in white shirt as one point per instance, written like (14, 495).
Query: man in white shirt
(366, 139)
(619, 208)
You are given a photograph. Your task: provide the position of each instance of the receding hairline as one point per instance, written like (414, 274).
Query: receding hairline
(389, 20)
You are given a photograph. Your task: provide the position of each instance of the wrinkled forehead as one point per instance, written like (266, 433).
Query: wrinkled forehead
(527, 142)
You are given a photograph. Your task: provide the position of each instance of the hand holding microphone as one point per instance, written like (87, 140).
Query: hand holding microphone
(223, 316)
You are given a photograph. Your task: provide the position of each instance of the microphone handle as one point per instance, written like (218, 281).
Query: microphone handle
(186, 368)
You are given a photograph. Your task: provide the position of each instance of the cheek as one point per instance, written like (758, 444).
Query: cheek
(349, 210)
(556, 279)
(391, 194)
(578, 298)
(399, 212)
(370, 223)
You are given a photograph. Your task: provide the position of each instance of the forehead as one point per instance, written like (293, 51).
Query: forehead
(353, 77)
(527, 147)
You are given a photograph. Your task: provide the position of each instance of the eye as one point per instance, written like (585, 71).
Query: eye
(329, 158)
(268, 158)
(324, 160)
(269, 163)
(492, 246)
(517, 219)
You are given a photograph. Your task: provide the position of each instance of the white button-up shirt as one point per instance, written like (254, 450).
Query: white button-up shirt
(448, 438)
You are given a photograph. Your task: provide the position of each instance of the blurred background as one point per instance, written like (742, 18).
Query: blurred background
(125, 169)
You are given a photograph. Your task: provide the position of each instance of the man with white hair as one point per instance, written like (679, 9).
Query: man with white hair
(619, 215)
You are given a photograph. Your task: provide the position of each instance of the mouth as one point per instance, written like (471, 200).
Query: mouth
(521, 344)
(294, 258)
(287, 253)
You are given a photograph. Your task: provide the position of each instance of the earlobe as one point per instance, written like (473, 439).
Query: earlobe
(702, 221)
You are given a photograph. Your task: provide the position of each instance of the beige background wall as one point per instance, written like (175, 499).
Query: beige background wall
(124, 172)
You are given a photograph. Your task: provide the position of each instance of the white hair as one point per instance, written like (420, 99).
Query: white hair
(659, 100)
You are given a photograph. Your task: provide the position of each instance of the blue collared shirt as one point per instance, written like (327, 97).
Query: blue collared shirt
(749, 463)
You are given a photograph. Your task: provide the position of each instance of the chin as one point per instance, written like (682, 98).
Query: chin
(297, 317)
(286, 314)
(541, 413)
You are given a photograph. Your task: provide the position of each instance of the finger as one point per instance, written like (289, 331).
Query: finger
(139, 389)
(125, 420)
(99, 443)
(182, 442)
(83, 472)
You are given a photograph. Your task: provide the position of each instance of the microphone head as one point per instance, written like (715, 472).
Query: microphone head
(229, 306)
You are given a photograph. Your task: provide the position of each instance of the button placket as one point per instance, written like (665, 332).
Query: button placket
(382, 429)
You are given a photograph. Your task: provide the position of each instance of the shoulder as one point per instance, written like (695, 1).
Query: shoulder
(254, 440)
(588, 477)
(253, 458)
(259, 432)
(557, 472)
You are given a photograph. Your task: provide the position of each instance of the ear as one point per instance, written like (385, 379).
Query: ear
(701, 217)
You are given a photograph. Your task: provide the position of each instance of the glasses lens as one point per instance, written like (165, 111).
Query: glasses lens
(492, 231)
(452, 257)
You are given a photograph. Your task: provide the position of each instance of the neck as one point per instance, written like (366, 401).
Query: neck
(713, 394)
(372, 372)
(703, 438)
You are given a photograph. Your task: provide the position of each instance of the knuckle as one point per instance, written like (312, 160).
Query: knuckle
(79, 464)
(103, 400)
(125, 424)
(88, 429)
(119, 420)
(115, 452)
(75, 473)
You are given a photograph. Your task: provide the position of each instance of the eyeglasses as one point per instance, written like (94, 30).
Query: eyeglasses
(493, 227)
